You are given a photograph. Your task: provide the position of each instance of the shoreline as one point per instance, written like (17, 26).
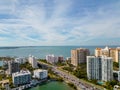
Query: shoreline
(29, 86)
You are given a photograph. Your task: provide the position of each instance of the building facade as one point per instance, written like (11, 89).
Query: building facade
(51, 59)
(78, 56)
(119, 59)
(5, 84)
(12, 67)
(116, 75)
(100, 68)
(107, 68)
(21, 78)
(20, 60)
(60, 58)
(68, 58)
(32, 60)
(109, 52)
(40, 74)
(94, 68)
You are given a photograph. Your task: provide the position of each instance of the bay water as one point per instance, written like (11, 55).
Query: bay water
(54, 85)
(42, 51)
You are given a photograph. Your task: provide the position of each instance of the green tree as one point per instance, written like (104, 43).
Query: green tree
(70, 69)
(27, 66)
(110, 84)
(115, 64)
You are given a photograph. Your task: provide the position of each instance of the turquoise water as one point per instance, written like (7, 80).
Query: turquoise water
(42, 51)
(52, 86)
(1, 63)
(100, 83)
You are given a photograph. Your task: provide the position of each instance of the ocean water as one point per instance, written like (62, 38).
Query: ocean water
(42, 51)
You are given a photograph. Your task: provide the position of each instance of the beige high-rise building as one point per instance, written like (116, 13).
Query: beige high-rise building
(118, 56)
(109, 52)
(102, 52)
(78, 56)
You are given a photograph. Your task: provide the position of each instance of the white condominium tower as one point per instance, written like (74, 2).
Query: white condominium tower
(52, 59)
(94, 67)
(100, 68)
(107, 68)
(32, 60)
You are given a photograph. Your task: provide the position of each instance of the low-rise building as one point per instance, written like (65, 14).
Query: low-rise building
(60, 58)
(22, 77)
(40, 74)
(5, 84)
(2, 72)
(116, 87)
(116, 75)
(68, 58)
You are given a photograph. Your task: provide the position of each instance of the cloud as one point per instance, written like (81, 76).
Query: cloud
(59, 22)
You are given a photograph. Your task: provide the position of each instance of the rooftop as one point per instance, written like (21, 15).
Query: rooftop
(106, 48)
(40, 70)
(22, 72)
(4, 81)
(98, 48)
(80, 49)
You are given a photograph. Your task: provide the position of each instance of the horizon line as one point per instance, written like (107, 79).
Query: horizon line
(55, 45)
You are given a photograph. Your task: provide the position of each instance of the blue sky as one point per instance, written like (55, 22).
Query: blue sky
(59, 22)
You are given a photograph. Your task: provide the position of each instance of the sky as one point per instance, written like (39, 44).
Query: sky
(59, 22)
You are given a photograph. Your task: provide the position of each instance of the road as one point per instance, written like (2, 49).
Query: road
(71, 78)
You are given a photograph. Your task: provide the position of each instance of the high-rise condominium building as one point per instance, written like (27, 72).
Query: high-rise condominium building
(21, 60)
(109, 52)
(78, 56)
(107, 68)
(51, 59)
(100, 68)
(32, 60)
(12, 67)
(94, 68)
